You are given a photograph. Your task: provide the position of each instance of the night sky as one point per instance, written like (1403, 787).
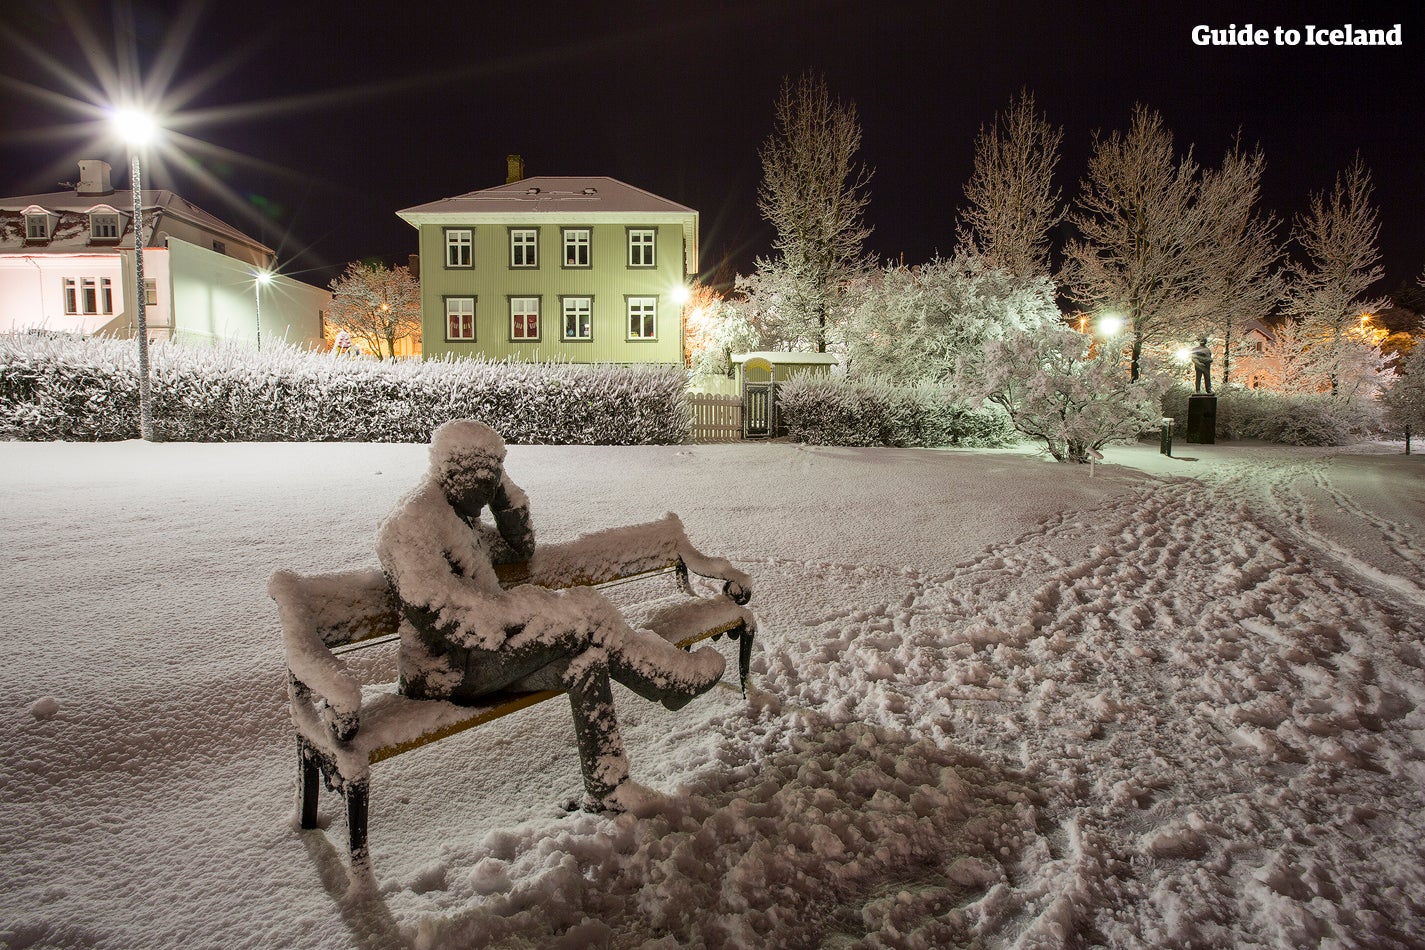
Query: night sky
(312, 123)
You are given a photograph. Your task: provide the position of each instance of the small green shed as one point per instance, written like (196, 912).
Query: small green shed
(757, 377)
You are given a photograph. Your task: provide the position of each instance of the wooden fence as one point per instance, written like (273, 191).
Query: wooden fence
(715, 418)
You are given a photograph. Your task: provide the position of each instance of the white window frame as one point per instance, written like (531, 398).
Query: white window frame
(150, 292)
(459, 248)
(570, 309)
(42, 233)
(526, 240)
(104, 226)
(578, 240)
(88, 296)
(525, 307)
(642, 247)
(457, 307)
(645, 310)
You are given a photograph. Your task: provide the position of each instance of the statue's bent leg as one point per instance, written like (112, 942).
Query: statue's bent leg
(659, 671)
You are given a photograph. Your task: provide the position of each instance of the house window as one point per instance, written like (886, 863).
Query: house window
(578, 318)
(88, 295)
(642, 318)
(640, 247)
(460, 318)
(104, 226)
(524, 247)
(459, 247)
(576, 247)
(36, 227)
(150, 292)
(524, 318)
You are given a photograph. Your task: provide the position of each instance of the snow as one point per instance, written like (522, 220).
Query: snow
(995, 702)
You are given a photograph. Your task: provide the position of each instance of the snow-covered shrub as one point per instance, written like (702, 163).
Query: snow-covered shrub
(1056, 386)
(1285, 418)
(822, 410)
(1315, 419)
(56, 388)
(1404, 401)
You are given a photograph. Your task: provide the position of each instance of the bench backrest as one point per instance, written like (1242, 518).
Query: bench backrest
(341, 608)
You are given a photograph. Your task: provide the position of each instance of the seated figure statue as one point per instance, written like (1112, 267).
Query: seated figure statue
(466, 637)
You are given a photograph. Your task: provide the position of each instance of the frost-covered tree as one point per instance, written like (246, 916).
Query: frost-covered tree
(910, 324)
(1404, 401)
(1056, 386)
(1283, 365)
(716, 329)
(1013, 203)
(1328, 291)
(1244, 283)
(376, 305)
(814, 194)
(1147, 244)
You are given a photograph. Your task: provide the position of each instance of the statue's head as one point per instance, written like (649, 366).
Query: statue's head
(467, 461)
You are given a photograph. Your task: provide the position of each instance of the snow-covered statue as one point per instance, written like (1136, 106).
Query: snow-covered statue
(1201, 356)
(466, 637)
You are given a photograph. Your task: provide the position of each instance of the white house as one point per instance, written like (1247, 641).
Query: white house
(67, 265)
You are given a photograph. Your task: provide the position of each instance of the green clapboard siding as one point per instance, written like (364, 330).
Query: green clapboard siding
(609, 281)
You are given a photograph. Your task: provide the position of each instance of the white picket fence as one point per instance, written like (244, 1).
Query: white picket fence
(715, 418)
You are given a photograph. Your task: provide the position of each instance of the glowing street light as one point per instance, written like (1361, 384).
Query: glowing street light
(1110, 324)
(260, 280)
(137, 129)
(681, 294)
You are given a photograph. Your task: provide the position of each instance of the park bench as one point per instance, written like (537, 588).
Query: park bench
(344, 727)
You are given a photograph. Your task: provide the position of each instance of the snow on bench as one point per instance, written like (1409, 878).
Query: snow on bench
(343, 727)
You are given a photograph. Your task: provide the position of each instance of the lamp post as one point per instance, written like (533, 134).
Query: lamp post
(263, 278)
(137, 129)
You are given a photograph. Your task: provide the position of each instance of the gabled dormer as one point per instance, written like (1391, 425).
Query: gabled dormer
(106, 224)
(39, 224)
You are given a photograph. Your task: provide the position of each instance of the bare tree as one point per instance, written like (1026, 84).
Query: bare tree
(1244, 281)
(813, 193)
(1328, 290)
(1147, 242)
(376, 305)
(1013, 201)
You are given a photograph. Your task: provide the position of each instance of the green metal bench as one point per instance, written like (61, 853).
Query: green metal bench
(343, 727)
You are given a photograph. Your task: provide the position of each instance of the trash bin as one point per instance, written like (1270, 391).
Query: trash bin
(1166, 446)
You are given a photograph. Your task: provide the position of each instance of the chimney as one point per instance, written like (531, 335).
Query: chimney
(515, 166)
(94, 178)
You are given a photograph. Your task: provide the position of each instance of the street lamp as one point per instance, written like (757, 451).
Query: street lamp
(137, 128)
(263, 278)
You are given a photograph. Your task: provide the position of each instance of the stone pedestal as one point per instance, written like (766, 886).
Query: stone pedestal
(1202, 419)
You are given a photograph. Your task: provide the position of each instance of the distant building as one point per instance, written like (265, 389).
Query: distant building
(67, 265)
(583, 269)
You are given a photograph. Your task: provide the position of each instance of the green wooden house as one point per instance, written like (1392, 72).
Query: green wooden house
(583, 269)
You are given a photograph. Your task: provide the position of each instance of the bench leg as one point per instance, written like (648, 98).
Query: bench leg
(356, 821)
(744, 656)
(309, 784)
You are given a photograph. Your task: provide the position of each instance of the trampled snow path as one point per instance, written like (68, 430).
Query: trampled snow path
(1180, 712)
(1210, 716)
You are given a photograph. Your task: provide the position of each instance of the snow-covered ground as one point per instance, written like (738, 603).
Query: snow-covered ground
(997, 703)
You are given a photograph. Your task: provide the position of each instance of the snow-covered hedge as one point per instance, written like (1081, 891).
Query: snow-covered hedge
(829, 411)
(87, 390)
(1282, 418)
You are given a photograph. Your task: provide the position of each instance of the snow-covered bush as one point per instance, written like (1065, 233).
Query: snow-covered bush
(822, 410)
(1288, 419)
(1404, 401)
(67, 388)
(1056, 386)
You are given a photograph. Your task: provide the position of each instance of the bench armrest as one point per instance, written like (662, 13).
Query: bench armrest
(313, 667)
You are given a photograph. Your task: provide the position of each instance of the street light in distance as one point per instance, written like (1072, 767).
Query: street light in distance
(138, 129)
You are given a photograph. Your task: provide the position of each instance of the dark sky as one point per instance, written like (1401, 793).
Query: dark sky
(323, 119)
